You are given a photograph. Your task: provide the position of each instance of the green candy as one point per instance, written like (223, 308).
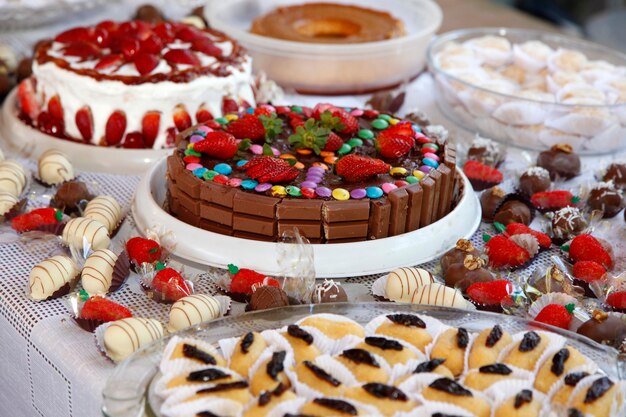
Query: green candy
(385, 117)
(222, 120)
(296, 109)
(411, 179)
(345, 148)
(365, 134)
(431, 145)
(354, 142)
(293, 191)
(380, 124)
(209, 175)
(191, 152)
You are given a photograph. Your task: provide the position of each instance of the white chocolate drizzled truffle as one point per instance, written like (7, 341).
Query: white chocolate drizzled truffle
(402, 283)
(55, 168)
(439, 295)
(123, 337)
(106, 210)
(7, 202)
(51, 275)
(193, 309)
(82, 231)
(98, 271)
(12, 177)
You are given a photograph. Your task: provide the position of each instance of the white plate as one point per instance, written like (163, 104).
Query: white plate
(331, 261)
(31, 143)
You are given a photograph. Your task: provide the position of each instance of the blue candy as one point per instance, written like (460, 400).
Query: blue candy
(249, 184)
(374, 192)
(223, 169)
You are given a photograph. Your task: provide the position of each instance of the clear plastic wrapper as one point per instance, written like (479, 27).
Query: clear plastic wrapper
(296, 260)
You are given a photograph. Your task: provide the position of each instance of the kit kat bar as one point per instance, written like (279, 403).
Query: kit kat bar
(253, 224)
(345, 211)
(399, 200)
(188, 183)
(294, 209)
(346, 230)
(308, 228)
(428, 187)
(215, 227)
(255, 204)
(414, 211)
(444, 194)
(436, 176)
(380, 211)
(219, 194)
(187, 216)
(216, 214)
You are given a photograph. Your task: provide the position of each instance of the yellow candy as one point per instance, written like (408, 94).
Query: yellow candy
(418, 174)
(278, 191)
(393, 121)
(321, 165)
(287, 156)
(230, 117)
(398, 171)
(190, 146)
(341, 194)
(299, 165)
(304, 151)
(324, 154)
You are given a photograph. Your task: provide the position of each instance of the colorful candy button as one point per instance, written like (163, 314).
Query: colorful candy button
(430, 162)
(330, 159)
(250, 110)
(345, 148)
(421, 139)
(249, 184)
(365, 134)
(205, 129)
(323, 192)
(209, 175)
(195, 138)
(427, 151)
(309, 184)
(235, 182)
(393, 121)
(433, 156)
(241, 163)
(307, 192)
(354, 142)
(398, 171)
(278, 191)
(304, 151)
(374, 192)
(192, 152)
(416, 128)
(296, 109)
(324, 154)
(190, 159)
(222, 120)
(193, 166)
(220, 179)
(231, 116)
(320, 165)
(370, 114)
(419, 174)
(400, 183)
(199, 172)
(357, 112)
(426, 169)
(263, 187)
(431, 145)
(380, 124)
(411, 179)
(316, 170)
(293, 191)
(385, 117)
(223, 168)
(388, 187)
(341, 194)
(298, 165)
(358, 193)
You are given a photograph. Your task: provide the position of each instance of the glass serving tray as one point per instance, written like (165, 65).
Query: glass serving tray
(127, 392)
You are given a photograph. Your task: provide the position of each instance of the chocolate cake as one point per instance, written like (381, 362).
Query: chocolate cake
(383, 177)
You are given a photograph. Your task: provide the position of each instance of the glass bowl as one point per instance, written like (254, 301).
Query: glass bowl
(485, 102)
(129, 391)
(317, 68)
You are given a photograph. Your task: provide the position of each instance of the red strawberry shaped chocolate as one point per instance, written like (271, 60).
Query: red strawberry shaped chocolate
(588, 271)
(141, 250)
(247, 127)
(170, 284)
(556, 315)
(220, 145)
(503, 253)
(242, 280)
(482, 176)
(355, 168)
(518, 229)
(100, 308)
(270, 169)
(36, 218)
(553, 200)
(617, 301)
(588, 248)
(491, 293)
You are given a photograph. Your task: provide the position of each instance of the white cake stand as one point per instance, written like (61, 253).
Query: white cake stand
(331, 261)
(31, 143)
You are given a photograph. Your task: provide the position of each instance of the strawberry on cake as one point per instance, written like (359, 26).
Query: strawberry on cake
(134, 84)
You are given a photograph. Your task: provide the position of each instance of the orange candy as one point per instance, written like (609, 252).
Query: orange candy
(304, 151)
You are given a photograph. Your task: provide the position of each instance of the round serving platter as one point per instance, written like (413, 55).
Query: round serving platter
(31, 143)
(331, 261)
(129, 390)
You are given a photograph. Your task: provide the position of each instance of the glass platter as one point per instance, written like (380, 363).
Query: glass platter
(128, 391)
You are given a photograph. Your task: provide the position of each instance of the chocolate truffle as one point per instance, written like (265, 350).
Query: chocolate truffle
(489, 200)
(457, 255)
(608, 329)
(567, 223)
(513, 211)
(485, 151)
(560, 161)
(268, 297)
(24, 69)
(616, 172)
(328, 292)
(606, 198)
(149, 13)
(534, 180)
(69, 195)
(461, 275)
(552, 280)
